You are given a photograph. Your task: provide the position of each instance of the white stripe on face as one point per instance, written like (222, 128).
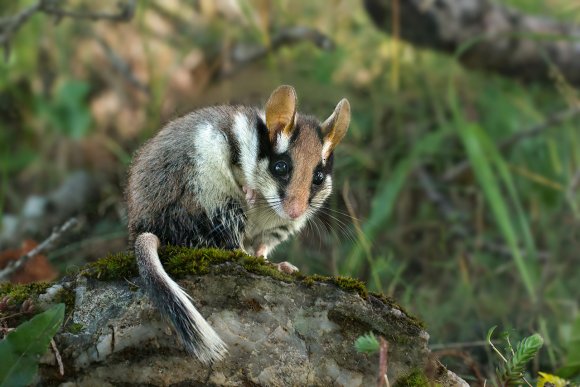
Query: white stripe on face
(325, 151)
(282, 143)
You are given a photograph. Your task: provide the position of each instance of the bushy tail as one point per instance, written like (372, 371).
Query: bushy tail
(197, 336)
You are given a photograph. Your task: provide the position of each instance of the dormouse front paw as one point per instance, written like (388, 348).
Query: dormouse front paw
(286, 267)
(250, 195)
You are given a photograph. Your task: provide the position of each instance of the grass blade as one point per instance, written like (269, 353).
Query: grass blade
(572, 366)
(473, 139)
(385, 199)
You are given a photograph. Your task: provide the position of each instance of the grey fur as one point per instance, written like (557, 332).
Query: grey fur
(194, 332)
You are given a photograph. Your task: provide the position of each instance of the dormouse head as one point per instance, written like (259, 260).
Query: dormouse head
(297, 159)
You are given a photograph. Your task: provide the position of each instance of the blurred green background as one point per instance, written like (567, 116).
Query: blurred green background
(428, 206)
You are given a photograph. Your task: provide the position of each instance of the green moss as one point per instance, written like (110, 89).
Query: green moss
(20, 293)
(345, 283)
(389, 301)
(182, 261)
(415, 379)
(261, 267)
(75, 328)
(68, 298)
(113, 266)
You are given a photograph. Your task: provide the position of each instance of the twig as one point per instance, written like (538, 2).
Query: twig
(445, 346)
(17, 264)
(242, 55)
(122, 66)
(57, 357)
(571, 190)
(10, 25)
(506, 251)
(126, 12)
(452, 216)
(445, 207)
(12, 316)
(460, 168)
(434, 195)
(383, 363)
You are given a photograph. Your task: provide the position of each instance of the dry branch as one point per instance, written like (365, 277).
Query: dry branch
(10, 25)
(241, 54)
(122, 67)
(17, 264)
(126, 12)
(486, 35)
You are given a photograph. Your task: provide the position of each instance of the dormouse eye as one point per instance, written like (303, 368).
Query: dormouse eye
(281, 168)
(318, 178)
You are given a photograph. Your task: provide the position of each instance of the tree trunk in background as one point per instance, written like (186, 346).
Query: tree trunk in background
(494, 37)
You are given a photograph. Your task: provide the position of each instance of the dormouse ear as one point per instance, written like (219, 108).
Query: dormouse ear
(335, 127)
(280, 111)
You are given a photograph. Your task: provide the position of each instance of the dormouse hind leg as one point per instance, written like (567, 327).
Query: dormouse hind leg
(176, 225)
(226, 227)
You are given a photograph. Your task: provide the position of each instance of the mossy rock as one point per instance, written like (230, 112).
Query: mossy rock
(180, 262)
(309, 322)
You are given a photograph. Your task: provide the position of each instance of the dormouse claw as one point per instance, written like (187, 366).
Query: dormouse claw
(284, 267)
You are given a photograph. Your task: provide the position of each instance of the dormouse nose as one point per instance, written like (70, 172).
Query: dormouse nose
(295, 207)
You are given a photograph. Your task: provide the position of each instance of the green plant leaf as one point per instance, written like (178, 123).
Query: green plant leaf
(67, 112)
(506, 177)
(490, 333)
(572, 366)
(527, 349)
(21, 349)
(367, 343)
(471, 134)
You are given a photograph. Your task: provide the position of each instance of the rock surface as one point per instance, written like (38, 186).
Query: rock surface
(278, 333)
